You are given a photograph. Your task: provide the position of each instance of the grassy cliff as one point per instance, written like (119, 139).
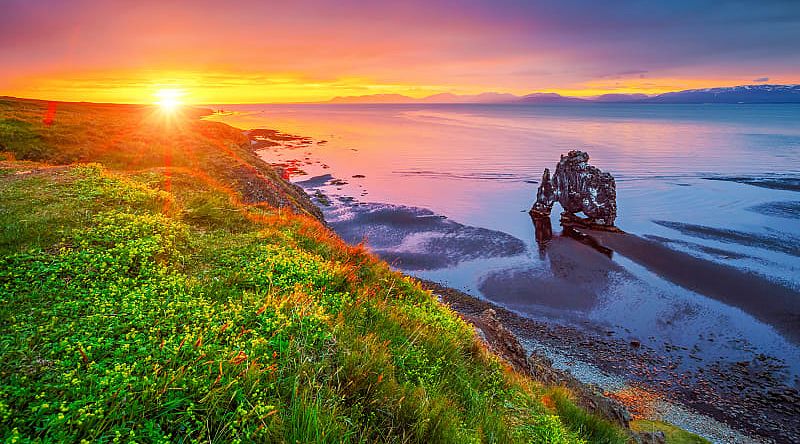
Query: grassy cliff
(165, 293)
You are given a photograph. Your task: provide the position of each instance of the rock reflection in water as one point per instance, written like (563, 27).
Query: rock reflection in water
(572, 281)
(543, 230)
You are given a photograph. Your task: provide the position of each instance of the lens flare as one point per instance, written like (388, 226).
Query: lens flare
(169, 99)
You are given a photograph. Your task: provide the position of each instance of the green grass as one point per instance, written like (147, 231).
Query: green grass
(135, 138)
(135, 311)
(673, 434)
(595, 429)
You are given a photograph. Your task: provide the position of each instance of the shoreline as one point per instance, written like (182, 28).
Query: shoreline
(611, 356)
(563, 351)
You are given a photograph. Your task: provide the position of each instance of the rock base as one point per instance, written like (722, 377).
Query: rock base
(571, 220)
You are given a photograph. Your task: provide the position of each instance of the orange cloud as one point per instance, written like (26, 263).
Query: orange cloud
(310, 50)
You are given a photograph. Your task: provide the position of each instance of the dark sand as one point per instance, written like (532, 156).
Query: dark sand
(316, 181)
(413, 238)
(788, 210)
(782, 243)
(774, 183)
(717, 252)
(768, 301)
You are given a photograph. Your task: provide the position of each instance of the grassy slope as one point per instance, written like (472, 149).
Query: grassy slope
(133, 137)
(139, 302)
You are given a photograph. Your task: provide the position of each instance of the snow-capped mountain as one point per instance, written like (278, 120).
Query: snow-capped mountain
(734, 94)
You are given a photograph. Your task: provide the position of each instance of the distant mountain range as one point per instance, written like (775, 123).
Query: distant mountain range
(733, 94)
(488, 97)
(548, 98)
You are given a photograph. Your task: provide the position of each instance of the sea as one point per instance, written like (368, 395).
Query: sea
(719, 182)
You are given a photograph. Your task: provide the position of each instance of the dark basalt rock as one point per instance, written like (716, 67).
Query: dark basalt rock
(545, 195)
(656, 437)
(578, 187)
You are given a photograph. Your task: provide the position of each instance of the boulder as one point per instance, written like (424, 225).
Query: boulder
(579, 188)
(656, 437)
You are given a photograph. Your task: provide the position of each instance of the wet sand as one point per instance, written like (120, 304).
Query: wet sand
(711, 251)
(778, 242)
(413, 238)
(788, 209)
(315, 182)
(768, 301)
(774, 183)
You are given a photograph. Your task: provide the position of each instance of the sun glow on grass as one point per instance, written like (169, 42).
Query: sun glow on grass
(169, 99)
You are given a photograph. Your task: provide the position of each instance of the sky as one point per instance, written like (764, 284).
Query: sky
(298, 50)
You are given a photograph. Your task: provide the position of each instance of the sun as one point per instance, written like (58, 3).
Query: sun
(169, 99)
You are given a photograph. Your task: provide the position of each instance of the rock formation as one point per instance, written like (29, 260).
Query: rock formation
(578, 187)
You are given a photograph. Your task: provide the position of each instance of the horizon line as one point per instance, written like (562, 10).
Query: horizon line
(418, 100)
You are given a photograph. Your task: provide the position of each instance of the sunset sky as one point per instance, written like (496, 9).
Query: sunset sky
(290, 51)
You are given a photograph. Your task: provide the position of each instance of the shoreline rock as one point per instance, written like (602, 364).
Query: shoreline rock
(615, 356)
(579, 188)
(505, 344)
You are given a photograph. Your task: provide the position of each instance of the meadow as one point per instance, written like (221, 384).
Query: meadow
(160, 283)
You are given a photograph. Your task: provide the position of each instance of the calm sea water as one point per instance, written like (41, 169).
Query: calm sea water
(477, 164)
